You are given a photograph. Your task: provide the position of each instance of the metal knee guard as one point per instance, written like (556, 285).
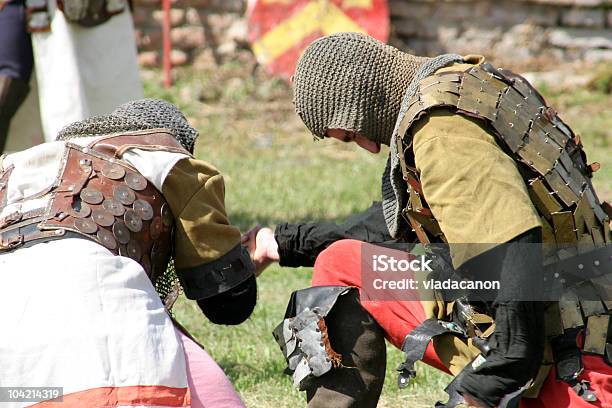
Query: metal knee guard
(334, 349)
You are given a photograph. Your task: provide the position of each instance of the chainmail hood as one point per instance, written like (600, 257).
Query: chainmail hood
(353, 82)
(141, 114)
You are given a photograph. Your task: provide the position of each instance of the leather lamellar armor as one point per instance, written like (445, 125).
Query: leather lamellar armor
(100, 197)
(549, 154)
(553, 165)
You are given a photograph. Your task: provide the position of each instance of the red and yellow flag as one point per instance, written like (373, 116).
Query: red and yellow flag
(279, 30)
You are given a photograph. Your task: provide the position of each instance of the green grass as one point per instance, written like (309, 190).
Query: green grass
(274, 172)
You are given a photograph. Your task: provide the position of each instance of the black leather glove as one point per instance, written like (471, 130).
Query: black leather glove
(231, 307)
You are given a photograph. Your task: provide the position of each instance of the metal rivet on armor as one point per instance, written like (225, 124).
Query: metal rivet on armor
(85, 162)
(156, 227)
(107, 239)
(580, 266)
(83, 210)
(124, 195)
(59, 232)
(103, 218)
(143, 209)
(121, 232)
(596, 262)
(135, 181)
(133, 251)
(556, 275)
(511, 124)
(85, 225)
(113, 171)
(114, 207)
(85, 150)
(166, 214)
(132, 220)
(91, 196)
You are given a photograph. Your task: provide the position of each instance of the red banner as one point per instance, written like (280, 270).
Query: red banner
(279, 30)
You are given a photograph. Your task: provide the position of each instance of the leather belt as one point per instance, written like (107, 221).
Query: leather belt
(27, 233)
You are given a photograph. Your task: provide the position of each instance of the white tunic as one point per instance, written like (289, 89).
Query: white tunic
(84, 71)
(74, 315)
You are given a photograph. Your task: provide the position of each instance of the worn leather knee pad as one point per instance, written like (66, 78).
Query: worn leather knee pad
(356, 336)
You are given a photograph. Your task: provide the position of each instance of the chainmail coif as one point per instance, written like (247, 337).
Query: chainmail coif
(141, 114)
(354, 82)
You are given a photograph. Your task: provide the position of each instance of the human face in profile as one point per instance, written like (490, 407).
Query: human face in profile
(349, 136)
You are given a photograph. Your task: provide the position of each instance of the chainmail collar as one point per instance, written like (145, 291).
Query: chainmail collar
(394, 195)
(142, 114)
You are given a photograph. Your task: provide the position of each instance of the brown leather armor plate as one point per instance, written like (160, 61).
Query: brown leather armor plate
(553, 165)
(128, 233)
(95, 194)
(550, 155)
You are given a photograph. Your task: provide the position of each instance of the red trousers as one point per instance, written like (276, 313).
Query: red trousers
(340, 264)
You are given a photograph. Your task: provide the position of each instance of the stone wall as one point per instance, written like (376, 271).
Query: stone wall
(516, 33)
(201, 29)
(532, 34)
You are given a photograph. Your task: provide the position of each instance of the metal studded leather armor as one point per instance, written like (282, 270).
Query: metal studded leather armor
(553, 165)
(100, 197)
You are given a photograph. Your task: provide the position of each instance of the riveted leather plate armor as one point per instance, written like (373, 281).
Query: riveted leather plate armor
(553, 165)
(98, 196)
(550, 156)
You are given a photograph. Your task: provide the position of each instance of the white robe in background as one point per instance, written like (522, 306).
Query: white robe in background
(84, 71)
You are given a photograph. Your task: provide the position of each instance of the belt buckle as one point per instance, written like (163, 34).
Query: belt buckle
(10, 240)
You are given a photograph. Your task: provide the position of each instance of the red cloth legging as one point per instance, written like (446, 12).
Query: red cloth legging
(340, 264)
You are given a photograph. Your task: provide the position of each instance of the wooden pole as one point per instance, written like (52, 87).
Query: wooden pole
(167, 44)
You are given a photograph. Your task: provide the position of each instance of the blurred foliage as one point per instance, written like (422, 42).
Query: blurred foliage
(602, 80)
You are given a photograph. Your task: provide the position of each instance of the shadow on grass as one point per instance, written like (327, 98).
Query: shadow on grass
(239, 372)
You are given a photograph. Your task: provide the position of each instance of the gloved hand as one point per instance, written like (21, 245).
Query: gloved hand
(233, 306)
